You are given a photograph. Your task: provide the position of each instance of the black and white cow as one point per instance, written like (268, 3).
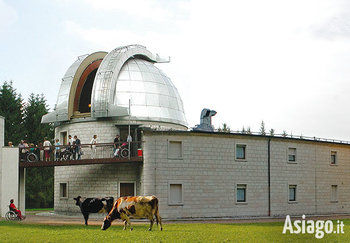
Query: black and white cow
(94, 205)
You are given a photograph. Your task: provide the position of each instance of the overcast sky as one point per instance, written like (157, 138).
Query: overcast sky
(284, 62)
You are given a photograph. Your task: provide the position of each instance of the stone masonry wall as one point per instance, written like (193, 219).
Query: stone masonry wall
(91, 180)
(209, 175)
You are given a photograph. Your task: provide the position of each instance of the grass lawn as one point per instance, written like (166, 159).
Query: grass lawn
(39, 209)
(248, 232)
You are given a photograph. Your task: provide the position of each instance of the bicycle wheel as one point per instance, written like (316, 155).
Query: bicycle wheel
(67, 155)
(125, 153)
(32, 157)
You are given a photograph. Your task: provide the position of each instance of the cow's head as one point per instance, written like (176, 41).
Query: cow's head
(114, 214)
(106, 223)
(77, 199)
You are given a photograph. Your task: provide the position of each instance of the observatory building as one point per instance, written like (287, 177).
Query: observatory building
(103, 94)
(195, 173)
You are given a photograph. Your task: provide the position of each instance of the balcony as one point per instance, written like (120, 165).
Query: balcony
(66, 155)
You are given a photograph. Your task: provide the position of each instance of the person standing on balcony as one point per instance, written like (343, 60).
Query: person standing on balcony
(93, 146)
(77, 149)
(41, 152)
(70, 144)
(115, 144)
(22, 151)
(47, 147)
(130, 144)
(57, 150)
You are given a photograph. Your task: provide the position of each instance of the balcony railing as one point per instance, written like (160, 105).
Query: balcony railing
(122, 150)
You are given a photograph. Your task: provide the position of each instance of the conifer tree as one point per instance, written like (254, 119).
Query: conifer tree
(11, 109)
(248, 130)
(34, 109)
(262, 128)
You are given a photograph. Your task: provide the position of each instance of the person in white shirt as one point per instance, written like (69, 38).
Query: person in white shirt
(57, 149)
(129, 139)
(93, 146)
(70, 140)
(47, 146)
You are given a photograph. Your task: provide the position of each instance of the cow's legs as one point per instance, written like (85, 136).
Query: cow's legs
(125, 224)
(151, 223)
(126, 220)
(86, 217)
(159, 219)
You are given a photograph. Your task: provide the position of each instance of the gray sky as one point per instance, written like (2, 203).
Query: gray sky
(284, 62)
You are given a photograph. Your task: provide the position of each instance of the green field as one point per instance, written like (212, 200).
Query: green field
(189, 232)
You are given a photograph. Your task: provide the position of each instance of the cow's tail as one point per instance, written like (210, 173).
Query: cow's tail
(156, 213)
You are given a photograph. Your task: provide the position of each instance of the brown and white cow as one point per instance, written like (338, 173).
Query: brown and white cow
(135, 207)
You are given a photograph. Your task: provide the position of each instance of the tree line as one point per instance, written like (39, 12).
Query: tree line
(262, 131)
(23, 122)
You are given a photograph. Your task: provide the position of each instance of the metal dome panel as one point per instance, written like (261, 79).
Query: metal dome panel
(153, 98)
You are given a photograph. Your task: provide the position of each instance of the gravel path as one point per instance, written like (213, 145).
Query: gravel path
(54, 219)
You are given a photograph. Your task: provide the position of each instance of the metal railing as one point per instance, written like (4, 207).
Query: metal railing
(122, 150)
(328, 140)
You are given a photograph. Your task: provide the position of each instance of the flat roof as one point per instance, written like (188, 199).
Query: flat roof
(254, 135)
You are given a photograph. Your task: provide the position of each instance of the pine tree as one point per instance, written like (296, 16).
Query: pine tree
(262, 128)
(243, 130)
(34, 109)
(272, 132)
(39, 181)
(11, 109)
(224, 128)
(248, 130)
(284, 134)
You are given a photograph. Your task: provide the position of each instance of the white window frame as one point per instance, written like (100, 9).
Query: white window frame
(296, 155)
(245, 151)
(119, 182)
(246, 193)
(336, 194)
(295, 194)
(182, 193)
(67, 186)
(182, 149)
(336, 157)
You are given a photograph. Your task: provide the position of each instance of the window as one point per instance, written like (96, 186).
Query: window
(175, 149)
(241, 193)
(175, 194)
(241, 151)
(292, 154)
(292, 196)
(334, 193)
(333, 157)
(127, 189)
(63, 190)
